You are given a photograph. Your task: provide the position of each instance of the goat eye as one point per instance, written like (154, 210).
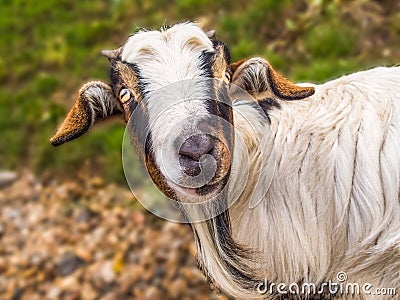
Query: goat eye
(228, 76)
(124, 95)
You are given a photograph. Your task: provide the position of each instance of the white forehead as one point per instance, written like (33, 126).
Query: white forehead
(169, 55)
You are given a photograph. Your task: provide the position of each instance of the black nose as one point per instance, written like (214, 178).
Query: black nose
(192, 150)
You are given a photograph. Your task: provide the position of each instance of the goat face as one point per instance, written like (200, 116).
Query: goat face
(173, 82)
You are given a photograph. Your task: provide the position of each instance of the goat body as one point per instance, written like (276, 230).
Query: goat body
(333, 203)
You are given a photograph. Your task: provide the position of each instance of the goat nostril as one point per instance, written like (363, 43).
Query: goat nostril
(196, 146)
(192, 151)
(189, 166)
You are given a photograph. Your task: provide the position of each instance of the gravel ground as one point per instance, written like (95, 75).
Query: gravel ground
(85, 239)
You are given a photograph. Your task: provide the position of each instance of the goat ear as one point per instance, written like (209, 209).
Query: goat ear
(259, 79)
(95, 101)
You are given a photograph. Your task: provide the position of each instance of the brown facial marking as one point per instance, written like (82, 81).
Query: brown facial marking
(193, 43)
(223, 147)
(219, 66)
(147, 51)
(223, 163)
(158, 178)
(129, 80)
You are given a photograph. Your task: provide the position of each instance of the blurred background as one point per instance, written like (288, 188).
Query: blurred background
(69, 227)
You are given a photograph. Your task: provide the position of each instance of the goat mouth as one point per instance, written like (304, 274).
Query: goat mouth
(207, 189)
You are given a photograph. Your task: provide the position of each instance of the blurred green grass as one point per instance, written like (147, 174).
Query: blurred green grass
(48, 49)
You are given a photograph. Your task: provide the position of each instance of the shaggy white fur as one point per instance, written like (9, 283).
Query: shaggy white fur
(333, 204)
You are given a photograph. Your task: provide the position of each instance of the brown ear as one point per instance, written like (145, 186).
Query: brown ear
(95, 101)
(258, 78)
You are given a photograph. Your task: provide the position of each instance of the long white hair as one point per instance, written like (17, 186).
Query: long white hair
(333, 203)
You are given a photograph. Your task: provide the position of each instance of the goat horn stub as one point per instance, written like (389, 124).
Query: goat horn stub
(111, 54)
(211, 34)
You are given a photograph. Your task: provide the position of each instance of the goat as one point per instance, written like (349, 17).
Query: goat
(322, 191)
